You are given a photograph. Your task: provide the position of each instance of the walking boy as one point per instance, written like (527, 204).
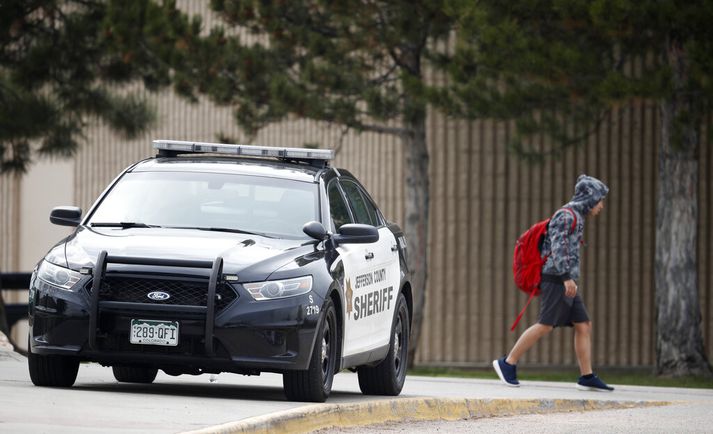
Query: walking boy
(560, 303)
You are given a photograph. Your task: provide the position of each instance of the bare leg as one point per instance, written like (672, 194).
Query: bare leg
(583, 346)
(527, 340)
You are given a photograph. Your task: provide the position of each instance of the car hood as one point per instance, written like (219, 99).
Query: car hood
(252, 257)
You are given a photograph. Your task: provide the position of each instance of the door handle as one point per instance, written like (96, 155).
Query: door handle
(394, 248)
(369, 256)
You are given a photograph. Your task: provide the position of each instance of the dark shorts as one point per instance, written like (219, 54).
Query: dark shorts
(558, 310)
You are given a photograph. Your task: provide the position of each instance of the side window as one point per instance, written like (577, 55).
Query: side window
(364, 211)
(337, 207)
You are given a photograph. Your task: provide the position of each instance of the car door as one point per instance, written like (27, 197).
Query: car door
(371, 278)
(346, 267)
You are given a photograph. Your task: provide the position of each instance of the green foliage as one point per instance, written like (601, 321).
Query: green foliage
(357, 64)
(63, 62)
(557, 67)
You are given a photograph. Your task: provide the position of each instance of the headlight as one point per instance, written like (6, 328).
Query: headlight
(58, 276)
(273, 289)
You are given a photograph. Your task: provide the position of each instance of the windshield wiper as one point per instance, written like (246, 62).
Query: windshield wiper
(122, 225)
(235, 231)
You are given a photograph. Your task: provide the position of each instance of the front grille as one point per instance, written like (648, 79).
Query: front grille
(182, 292)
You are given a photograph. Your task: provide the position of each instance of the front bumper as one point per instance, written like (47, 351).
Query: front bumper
(245, 336)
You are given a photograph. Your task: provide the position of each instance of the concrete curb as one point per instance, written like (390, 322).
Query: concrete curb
(320, 416)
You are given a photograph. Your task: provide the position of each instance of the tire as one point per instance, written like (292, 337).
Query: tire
(134, 374)
(315, 383)
(52, 371)
(388, 377)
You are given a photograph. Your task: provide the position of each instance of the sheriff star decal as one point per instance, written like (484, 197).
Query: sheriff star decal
(349, 296)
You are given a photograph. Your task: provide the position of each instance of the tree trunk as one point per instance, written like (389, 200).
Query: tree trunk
(416, 225)
(679, 342)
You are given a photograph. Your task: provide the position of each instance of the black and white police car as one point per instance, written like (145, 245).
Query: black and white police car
(226, 258)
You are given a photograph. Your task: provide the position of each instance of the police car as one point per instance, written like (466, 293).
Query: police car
(216, 258)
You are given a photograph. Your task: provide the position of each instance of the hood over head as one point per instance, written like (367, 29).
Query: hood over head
(588, 192)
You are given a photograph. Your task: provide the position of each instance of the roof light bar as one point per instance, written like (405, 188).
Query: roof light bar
(183, 147)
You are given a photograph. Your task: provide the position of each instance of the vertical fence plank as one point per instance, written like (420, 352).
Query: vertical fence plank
(460, 244)
(649, 225)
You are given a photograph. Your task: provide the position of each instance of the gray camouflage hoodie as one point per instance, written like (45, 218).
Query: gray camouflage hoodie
(561, 244)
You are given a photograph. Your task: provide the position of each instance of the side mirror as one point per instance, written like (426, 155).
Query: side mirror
(315, 230)
(356, 233)
(66, 215)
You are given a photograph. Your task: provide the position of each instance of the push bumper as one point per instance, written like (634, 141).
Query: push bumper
(247, 336)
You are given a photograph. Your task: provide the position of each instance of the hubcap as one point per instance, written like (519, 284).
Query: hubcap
(325, 350)
(397, 344)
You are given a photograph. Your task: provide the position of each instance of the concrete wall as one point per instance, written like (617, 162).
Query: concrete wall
(27, 233)
(49, 183)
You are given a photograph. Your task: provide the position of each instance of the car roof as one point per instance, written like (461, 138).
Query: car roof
(242, 166)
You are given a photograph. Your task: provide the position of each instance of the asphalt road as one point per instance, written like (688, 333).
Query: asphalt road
(97, 403)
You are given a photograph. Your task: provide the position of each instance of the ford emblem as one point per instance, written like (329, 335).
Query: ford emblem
(158, 296)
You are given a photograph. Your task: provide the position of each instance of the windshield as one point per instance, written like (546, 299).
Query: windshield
(210, 201)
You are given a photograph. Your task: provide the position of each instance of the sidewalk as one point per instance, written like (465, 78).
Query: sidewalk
(234, 403)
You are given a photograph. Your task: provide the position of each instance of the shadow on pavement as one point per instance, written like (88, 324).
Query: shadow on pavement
(214, 391)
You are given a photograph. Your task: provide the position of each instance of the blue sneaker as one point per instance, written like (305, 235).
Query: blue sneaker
(593, 383)
(506, 372)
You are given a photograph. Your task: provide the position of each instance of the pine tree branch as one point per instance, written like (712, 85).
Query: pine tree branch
(340, 142)
(326, 31)
(562, 142)
(396, 131)
(382, 25)
(385, 77)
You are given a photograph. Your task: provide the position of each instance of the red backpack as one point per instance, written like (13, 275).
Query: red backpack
(527, 261)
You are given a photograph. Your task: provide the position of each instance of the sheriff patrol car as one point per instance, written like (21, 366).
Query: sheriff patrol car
(216, 258)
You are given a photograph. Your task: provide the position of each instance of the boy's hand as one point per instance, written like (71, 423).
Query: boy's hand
(570, 288)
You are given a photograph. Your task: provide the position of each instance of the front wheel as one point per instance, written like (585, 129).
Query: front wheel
(134, 374)
(52, 371)
(388, 377)
(315, 383)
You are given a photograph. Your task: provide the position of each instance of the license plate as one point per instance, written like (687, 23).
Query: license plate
(152, 332)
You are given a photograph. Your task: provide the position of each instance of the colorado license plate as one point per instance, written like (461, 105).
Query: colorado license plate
(152, 332)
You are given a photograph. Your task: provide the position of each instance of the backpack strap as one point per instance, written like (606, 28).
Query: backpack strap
(574, 216)
(574, 223)
(522, 312)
